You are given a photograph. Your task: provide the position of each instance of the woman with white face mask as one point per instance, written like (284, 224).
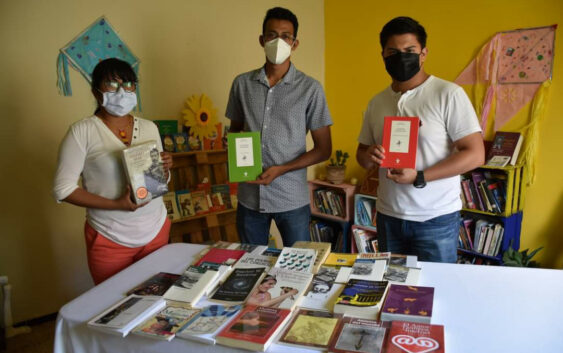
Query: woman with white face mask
(118, 232)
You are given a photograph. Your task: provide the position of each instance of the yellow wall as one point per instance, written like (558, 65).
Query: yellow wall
(456, 31)
(185, 46)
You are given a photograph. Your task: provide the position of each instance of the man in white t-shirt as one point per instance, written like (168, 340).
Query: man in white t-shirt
(418, 209)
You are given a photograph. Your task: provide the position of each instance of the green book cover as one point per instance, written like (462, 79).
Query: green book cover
(245, 156)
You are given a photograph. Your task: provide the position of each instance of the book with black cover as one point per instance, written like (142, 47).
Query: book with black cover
(238, 286)
(156, 285)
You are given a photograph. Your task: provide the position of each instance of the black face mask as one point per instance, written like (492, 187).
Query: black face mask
(402, 66)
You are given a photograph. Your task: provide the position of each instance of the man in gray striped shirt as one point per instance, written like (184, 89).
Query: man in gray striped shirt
(283, 104)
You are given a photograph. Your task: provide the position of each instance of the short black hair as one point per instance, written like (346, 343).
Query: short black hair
(402, 25)
(279, 13)
(112, 68)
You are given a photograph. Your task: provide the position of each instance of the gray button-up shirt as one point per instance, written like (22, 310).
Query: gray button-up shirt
(283, 114)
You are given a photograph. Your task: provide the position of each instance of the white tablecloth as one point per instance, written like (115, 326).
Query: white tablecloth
(483, 309)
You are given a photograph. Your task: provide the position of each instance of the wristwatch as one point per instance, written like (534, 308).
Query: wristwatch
(419, 181)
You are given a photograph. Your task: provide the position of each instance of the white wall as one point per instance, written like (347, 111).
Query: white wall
(185, 46)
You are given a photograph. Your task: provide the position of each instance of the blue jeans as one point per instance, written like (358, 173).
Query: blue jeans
(433, 240)
(254, 227)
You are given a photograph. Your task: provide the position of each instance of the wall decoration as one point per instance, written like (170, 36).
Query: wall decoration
(512, 69)
(200, 117)
(97, 42)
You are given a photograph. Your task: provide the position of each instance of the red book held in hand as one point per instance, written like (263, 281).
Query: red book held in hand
(400, 140)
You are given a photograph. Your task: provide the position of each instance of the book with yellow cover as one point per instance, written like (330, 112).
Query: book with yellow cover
(311, 329)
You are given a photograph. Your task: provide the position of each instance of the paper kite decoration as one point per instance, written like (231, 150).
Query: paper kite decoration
(96, 43)
(513, 69)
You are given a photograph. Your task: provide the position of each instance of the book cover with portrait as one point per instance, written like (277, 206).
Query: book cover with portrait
(145, 172)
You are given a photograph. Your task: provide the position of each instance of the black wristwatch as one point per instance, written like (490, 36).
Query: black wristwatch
(419, 181)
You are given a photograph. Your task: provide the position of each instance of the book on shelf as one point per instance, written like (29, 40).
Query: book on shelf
(323, 291)
(330, 201)
(166, 126)
(245, 156)
(238, 286)
(312, 329)
(191, 285)
(165, 323)
(407, 337)
(221, 256)
(297, 259)
(254, 328)
(408, 303)
(233, 190)
(144, 171)
(365, 211)
(167, 142)
(504, 149)
(185, 203)
(363, 240)
(200, 202)
(205, 325)
(361, 298)
(156, 285)
(321, 231)
(215, 141)
(280, 288)
(322, 248)
(126, 314)
(181, 142)
(400, 140)
(355, 335)
(172, 210)
(222, 191)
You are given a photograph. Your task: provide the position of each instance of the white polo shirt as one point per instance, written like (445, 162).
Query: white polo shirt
(446, 115)
(92, 151)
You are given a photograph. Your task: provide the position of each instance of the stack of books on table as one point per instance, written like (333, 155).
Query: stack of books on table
(303, 296)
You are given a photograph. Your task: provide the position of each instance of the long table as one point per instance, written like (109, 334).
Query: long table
(483, 309)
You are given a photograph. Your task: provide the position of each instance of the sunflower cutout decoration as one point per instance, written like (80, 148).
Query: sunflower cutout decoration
(200, 116)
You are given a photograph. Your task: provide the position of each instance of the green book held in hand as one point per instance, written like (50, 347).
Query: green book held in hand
(245, 156)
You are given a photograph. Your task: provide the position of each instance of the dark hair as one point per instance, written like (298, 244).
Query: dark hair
(112, 68)
(402, 25)
(269, 277)
(279, 13)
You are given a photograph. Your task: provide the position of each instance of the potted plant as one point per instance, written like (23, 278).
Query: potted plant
(336, 170)
(516, 258)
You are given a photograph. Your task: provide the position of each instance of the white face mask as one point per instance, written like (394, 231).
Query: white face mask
(119, 103)
(277, 51)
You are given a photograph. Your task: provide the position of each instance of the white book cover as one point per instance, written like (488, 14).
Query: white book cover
(123, 316)
(166, 323)
(323, 290)
(250, 260)
(191, 285)
(296, 259)
(280, 288)
(368, 269)
(208, 323)
(397, 274)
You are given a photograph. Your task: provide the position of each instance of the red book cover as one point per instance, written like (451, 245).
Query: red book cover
(412, 337)
(254, 325)
(400, 140)
(221, 256)
(504, 149)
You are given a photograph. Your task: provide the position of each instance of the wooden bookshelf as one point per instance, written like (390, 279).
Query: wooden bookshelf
(189, 169)
(346, 190)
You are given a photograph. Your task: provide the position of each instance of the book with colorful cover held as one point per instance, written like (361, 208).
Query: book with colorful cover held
(408, 303)
(311, 329)
(204, 326)
(409, 337)
(166, 323)
(254, 328)
(156, 285)
(144, 171)
(355, 335)
(245, 156)
(361, 298)
(400, 141)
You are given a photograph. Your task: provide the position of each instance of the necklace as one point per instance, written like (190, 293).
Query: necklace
(121, 133)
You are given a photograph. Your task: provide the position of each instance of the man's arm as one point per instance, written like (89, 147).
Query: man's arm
(369, 156)
(320, 152)
(470, 154)
(236, 126)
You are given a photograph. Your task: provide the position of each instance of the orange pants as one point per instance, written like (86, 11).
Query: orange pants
(106, 258)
